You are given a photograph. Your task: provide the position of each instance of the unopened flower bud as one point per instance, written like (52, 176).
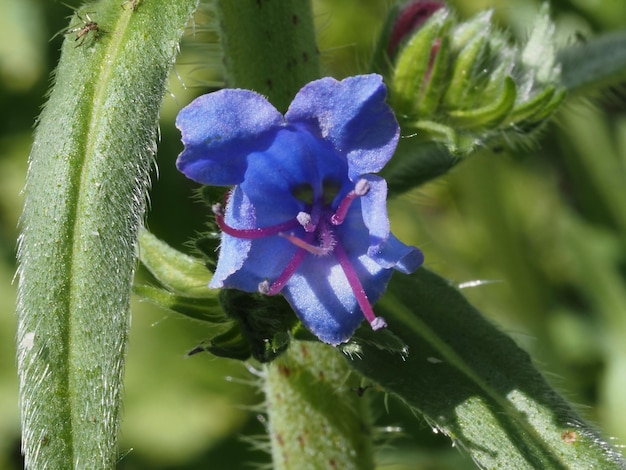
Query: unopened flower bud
(411, 16)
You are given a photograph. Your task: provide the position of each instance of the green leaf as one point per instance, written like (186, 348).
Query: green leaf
(472, 382)
(178, 272)
(417, 163)
(595, 64)
(84, 201)
(206, 309)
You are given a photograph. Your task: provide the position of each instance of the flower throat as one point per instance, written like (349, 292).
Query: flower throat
(319, 222)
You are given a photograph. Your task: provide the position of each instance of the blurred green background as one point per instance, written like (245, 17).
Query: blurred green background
(544, 225)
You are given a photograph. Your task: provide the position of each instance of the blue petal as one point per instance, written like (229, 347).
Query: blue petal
(243, 263)
(392, 253)
(220, 130)
(384, 248)
(374, 209)
(234, 251)
(353, 116)
(323, 299)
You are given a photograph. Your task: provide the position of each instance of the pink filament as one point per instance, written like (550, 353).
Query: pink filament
(357, 288)
(289, 270)
(252, 233)
(361, 189)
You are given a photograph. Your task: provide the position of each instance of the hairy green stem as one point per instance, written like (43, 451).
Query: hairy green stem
(319, 417)
(316, 421)
(269, 47)
(84, 201)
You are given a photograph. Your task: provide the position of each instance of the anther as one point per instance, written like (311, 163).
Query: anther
(304, 218)
(264, 287)
(378, 323)
(361, 188)
(218, 209)
(272, 289)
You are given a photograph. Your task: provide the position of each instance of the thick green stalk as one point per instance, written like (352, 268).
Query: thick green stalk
(318, 417)
(269, 47)
(84, 201)
(315, 421)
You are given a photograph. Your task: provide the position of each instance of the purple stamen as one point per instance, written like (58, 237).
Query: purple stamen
(361, 188)
(284, 277)
(361, 297)
(251, 233)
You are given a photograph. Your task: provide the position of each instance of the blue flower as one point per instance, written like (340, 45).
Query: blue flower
(306, 217)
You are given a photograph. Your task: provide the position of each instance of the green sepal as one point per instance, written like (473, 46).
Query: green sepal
(384, 339)
(490, 115)
(462, 82)
(539, 53)
(467, 30)
(230, 344)
(548, 109)
(434, 85)
(265, 322)
(413, 63)
(527, 109)
(178, 272)
(205, 309)
(431, 131)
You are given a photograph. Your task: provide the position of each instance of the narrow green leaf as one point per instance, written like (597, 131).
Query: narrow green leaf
(178, 272)
(206, 309)
(595, 64)
(84, 200)
(473, 383)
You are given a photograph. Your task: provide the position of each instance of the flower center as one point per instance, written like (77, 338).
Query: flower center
(319, 239)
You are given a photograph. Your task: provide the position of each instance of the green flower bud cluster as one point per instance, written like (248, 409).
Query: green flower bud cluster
(462, 83)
